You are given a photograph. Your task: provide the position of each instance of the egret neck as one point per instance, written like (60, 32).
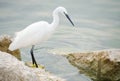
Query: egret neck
(55, 22)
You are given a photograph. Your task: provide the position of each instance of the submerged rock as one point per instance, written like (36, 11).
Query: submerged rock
(11, 69)
(99, 65)
(5, 41)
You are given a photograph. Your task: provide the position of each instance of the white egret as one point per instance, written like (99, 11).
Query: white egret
(37, 33)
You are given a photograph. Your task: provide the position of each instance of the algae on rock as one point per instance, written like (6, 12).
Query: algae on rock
(99, 65)
(5, 41)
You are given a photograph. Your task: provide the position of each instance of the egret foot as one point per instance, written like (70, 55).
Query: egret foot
(30, 64)
(33, 58)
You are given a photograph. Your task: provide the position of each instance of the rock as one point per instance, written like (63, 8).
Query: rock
(98, 65)
(11, 69)
(5, 41)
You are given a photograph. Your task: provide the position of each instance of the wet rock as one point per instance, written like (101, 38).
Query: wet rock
(98, 65)
(5, 41)
(11, 69)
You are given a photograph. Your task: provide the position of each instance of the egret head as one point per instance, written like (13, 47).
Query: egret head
(63, 11)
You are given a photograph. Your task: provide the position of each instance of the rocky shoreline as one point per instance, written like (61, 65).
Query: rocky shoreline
(13, 69)
(101, 65)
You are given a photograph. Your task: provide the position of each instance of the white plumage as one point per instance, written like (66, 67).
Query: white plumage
(38, 31)
(33, 34)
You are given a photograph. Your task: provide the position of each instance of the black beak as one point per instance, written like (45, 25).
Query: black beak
(68, 18)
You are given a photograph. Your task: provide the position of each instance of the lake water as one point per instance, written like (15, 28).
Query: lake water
(97, 27)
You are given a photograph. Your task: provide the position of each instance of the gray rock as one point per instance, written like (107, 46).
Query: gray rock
(11, 69)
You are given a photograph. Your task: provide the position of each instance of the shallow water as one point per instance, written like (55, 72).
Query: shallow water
(97, 27)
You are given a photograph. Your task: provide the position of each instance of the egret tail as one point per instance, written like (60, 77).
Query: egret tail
(12, 47)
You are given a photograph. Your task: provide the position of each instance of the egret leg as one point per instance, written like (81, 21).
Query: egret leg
(33, 58)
